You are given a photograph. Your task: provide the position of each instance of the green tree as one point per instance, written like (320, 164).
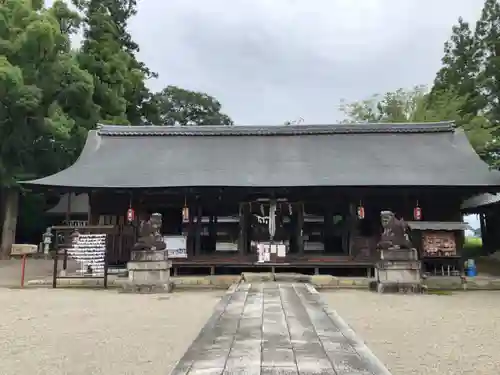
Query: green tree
(460, 70)
(404, 106)
(177, 106)
(415, 105)
(40, 82)
(487, 39)
(108, 53)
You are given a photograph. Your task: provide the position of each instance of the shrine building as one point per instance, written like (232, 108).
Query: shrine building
(311, 194)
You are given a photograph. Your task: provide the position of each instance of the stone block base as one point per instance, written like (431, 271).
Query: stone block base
(291, 277)
(146, 288)
(256, 277)
(148, 272)
(410, 288)
(398, 271)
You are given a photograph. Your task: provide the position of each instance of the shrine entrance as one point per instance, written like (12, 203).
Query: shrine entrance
(270, 227)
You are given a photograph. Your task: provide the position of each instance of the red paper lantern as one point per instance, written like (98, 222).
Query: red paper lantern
(417, 213)
(130, 215)
(361, 212)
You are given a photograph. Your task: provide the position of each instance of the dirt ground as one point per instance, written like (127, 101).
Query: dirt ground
(454, 334)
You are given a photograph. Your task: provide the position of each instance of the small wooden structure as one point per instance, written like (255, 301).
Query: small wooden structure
(439, 245)
(487, 207)
(233, 192)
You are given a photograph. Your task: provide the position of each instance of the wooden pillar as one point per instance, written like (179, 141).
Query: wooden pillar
(246, 227)
(484, 233)
(352, 223)
(242, 230)
(197, 242)
(190, 232)
(327, 231)
(212, 231)
(68, 208)
(89, 208)
(299, 228)
(215, 233)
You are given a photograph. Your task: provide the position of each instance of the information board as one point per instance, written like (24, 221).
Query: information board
(176, 246)
(89, 251)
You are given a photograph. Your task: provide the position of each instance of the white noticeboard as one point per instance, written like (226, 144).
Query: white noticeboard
(89, 250)
(176, 246)
(260, 253)
(281, 251)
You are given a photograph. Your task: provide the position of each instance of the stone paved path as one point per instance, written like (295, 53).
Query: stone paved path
(271, 328)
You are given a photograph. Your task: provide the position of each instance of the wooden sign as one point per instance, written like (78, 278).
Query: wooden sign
(439, 243)
(23, 249)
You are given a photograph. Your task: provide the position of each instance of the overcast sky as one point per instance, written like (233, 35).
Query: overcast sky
(269, 61)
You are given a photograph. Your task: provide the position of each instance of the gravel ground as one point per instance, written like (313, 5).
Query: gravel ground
(92, 332)
(426, 334)
(10, 270)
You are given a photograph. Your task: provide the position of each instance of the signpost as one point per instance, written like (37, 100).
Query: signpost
(23, 250)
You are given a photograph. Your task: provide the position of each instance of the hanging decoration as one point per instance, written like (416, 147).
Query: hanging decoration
(130, 215)
(130, 211)
(361, 211)
(417, 212)
(185, 211)
(272, 219)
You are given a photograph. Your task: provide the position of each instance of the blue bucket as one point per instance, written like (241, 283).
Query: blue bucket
(471, 271)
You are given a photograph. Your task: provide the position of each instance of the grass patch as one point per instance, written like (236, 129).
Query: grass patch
(473, 248)
(473, 242)
(440, 292)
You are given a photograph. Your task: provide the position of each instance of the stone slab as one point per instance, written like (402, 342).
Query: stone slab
(146, 288)
(149, 265)
(149, 276)
(148, 255)
(277, 328)
(291, 277)
(253, 277)
(399, 254)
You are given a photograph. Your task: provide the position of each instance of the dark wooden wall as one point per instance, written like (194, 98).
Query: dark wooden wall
(436, 205)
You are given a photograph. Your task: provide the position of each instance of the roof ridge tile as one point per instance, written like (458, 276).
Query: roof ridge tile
(268, 130)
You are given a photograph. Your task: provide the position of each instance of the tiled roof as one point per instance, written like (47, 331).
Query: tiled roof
(131, 157)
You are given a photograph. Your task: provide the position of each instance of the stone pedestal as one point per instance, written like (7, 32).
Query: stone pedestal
(398, 270)
(148, 272)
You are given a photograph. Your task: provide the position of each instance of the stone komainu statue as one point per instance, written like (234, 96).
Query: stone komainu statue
(394, 234)
(149, 234)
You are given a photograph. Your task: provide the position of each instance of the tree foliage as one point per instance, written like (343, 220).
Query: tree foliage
(40, 82)
(177, 106)
(405, 106)
(466, 88)
(51, 94)
(420, 105)
(487, 41)
(459, 71)
(471, 67)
